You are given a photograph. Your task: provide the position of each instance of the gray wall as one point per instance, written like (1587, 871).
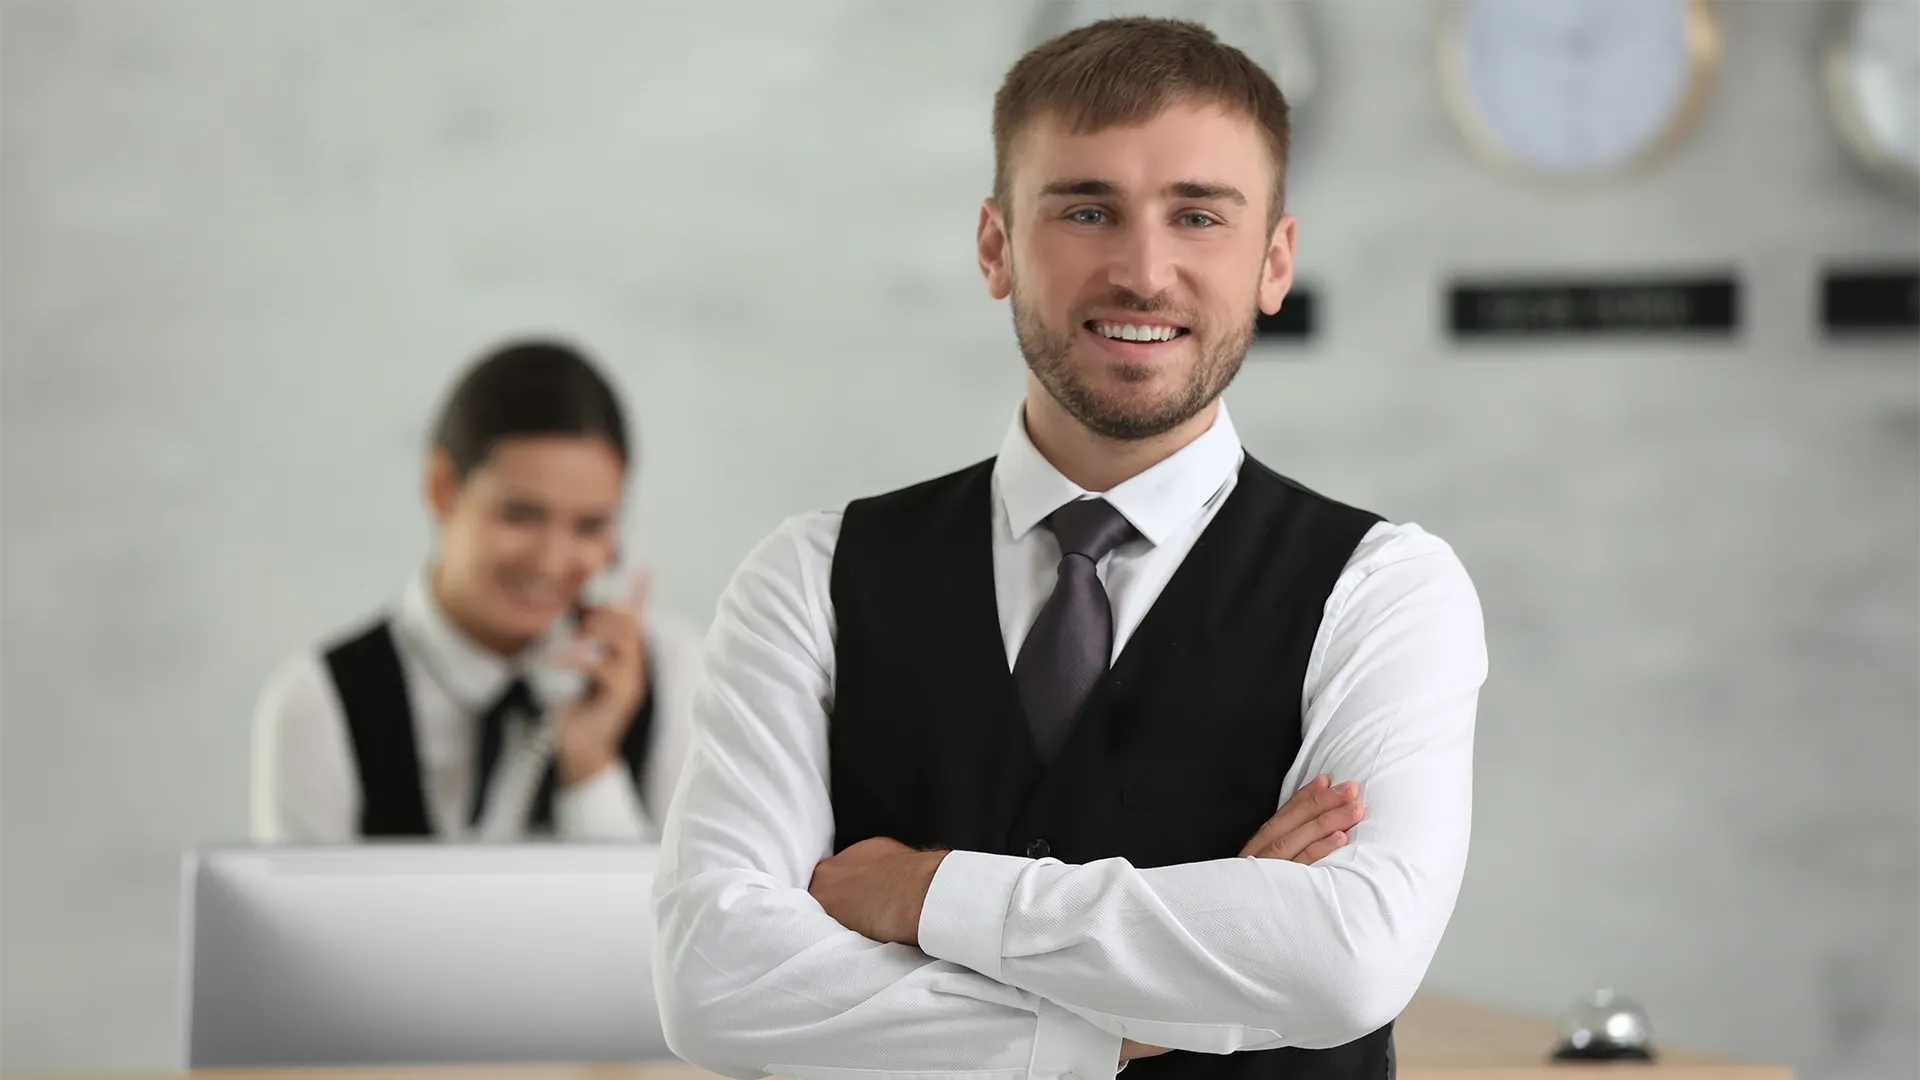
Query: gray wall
(245, 245)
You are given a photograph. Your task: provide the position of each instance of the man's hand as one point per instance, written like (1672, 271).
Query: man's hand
(1311, 825)
(876, 888)
(611, 651)
(1130, 1050)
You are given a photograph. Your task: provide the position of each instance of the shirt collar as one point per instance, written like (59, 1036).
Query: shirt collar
(472, 674)
(1158, 502)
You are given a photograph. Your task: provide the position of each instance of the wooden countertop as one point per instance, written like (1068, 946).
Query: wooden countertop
(1437, 1038)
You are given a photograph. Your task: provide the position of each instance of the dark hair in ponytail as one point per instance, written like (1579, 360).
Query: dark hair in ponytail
(529, 387)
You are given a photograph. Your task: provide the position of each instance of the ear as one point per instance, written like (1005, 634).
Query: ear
(439, 486)
(996, 264)
(1276, 272)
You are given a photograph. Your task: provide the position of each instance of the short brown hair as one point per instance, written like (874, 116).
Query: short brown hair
(1128, 71)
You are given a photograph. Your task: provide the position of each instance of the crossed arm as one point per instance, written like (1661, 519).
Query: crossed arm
(992, 965)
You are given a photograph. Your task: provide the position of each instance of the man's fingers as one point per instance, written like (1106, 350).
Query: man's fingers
(1337, 820)
(1290, 814)
(1317, 797)
(1321, 849)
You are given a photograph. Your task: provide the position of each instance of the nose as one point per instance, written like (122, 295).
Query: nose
(557, 554)
(1143, 260)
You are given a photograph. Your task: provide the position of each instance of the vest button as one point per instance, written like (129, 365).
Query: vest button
(1038, 849)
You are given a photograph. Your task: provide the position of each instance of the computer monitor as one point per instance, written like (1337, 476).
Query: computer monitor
(393, 954)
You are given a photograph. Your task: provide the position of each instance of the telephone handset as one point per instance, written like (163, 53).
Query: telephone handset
(556, 686)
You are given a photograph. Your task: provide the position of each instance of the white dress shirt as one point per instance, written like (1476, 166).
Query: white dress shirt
(1034, 968)
(306, 783)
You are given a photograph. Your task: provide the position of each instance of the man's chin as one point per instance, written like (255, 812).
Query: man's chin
(1128, 421)
(1134, 389)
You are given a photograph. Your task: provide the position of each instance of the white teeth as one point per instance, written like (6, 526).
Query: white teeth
(1130, 332)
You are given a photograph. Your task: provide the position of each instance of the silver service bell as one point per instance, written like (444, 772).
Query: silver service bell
(1605, 1026)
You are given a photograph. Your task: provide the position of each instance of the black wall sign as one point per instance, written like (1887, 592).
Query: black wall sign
(1869, 300)
(1589, 308)
(1295, 321)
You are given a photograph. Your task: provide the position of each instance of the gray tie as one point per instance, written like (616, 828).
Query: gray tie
(1071, 642)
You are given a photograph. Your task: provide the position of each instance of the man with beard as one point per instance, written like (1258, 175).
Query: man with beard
(985, 775)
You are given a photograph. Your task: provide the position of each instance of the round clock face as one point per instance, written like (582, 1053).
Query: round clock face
(1873, 84)
(1273, 33)
(1576, 89)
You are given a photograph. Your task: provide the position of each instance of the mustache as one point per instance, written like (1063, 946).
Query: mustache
(1159, 304)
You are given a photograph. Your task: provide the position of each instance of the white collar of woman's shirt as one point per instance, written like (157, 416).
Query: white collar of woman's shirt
(1159, 502)
(473, 675)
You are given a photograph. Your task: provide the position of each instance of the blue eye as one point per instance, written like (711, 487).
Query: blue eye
(1198, 220)
(1088, 216)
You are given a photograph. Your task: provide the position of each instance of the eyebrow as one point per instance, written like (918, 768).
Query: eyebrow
(1183, 189)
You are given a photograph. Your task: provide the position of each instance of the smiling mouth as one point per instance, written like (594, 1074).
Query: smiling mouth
(1141, 333)
(534, 594)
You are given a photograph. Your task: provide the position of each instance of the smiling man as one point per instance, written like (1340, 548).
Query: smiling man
(1055, 765)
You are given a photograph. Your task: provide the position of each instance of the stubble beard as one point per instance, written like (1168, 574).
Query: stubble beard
(1120, 415)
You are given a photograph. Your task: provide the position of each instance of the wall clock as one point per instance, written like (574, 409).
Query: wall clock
(1576, 91)
(1871, 69)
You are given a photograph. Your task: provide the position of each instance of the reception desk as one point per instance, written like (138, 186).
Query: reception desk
(1441, 1039)
(1437, 1039)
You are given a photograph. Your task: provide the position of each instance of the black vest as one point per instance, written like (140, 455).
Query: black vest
(372, 686)
(1178, 755)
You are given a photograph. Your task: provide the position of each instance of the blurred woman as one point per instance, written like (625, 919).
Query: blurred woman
(517, 686)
